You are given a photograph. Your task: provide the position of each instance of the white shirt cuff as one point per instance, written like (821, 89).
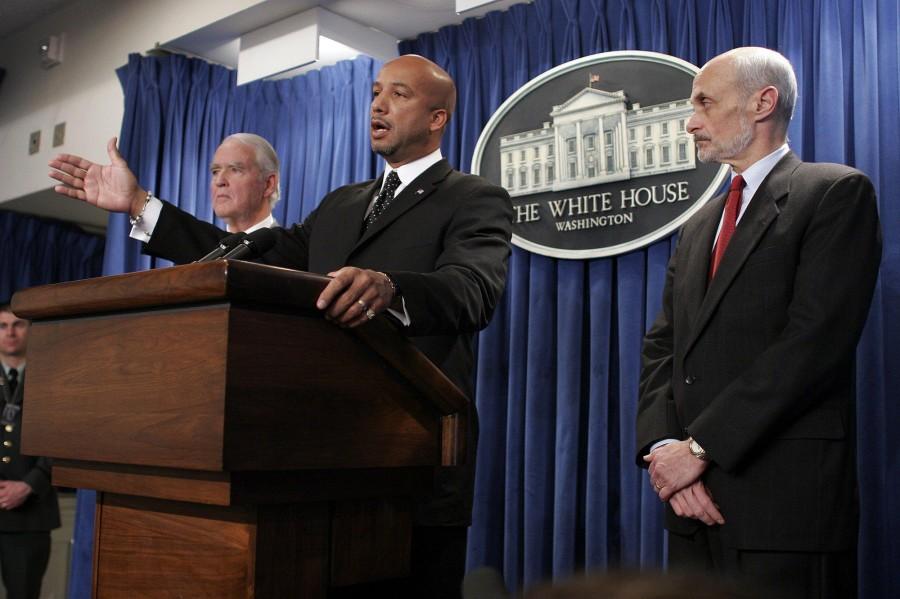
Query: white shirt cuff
(144, 229)
(659, 444)
(403, 317)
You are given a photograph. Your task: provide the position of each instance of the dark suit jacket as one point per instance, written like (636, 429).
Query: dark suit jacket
(444, 240)
(759, 366)
(41, 510)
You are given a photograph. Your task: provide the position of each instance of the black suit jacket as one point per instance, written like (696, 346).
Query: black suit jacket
(759, 366)
(444, 240)
(41, 510)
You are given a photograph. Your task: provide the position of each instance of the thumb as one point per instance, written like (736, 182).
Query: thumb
(114, 156)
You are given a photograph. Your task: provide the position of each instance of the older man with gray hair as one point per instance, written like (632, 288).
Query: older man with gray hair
(244, 185)
(747, 397)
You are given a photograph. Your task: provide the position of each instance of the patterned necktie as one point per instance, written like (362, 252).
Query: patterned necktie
(384, 199)
(729, 223)
(13, 378)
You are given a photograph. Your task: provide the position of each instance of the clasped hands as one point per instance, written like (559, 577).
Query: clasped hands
(13, 493)
(675, 474)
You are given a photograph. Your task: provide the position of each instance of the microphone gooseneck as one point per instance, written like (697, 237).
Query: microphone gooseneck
(253, 245)
(226, 244)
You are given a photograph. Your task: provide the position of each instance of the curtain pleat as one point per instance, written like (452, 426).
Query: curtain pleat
(37, 251)
(567, 339)
(557, 369)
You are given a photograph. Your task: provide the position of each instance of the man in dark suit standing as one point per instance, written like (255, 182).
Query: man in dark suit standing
(28, 504)
(423, 242)
(746, 413)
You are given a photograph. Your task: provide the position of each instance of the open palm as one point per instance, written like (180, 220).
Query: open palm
(112, 186)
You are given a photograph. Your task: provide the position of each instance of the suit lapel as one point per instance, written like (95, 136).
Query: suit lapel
(760, 214)
(698, 255)
(5, 395)
(352, 211)
(417, 190)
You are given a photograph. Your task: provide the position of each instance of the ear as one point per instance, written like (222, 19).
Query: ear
(271, 185)
(764, 102)
(439, 119)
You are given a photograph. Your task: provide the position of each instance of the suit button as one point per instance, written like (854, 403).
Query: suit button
(689, 379)
(9, 428)
(7, 444)
(7, 459)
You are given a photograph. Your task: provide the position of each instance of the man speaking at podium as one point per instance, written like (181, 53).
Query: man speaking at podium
(425, 242)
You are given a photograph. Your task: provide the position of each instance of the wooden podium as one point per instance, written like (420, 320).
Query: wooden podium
(241, 445)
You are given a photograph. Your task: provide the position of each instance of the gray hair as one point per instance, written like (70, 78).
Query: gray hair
(756, 68)
(266, 158)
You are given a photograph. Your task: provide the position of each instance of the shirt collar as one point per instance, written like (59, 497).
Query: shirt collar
(266, 223)
(759, 170)
(20, 368)
(411, 170)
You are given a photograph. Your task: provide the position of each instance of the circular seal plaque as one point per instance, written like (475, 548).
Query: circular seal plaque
(596, 155)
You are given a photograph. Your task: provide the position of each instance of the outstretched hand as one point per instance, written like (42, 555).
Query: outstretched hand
(111, 187)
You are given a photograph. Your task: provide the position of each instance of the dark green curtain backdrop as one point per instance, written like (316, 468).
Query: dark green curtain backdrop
(557, 369)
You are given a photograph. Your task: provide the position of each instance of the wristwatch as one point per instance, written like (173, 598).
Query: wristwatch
(697, 451)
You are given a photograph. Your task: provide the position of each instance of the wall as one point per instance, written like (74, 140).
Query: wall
(83, 91)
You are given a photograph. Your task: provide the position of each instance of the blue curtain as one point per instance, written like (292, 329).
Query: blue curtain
(37, 251)
(556, 488)
(177, 110)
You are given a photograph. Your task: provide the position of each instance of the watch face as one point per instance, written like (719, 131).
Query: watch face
(696, 449)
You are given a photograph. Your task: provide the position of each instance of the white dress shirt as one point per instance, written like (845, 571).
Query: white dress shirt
(753, 178)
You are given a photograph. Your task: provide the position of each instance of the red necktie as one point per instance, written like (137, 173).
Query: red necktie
(729, 222)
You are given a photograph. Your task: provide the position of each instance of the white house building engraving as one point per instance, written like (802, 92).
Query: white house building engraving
(594, 137)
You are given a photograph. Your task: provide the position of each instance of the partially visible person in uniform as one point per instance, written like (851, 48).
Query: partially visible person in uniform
(28, 504)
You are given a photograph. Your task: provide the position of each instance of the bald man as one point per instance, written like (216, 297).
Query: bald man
(423, 241)
(746, 417)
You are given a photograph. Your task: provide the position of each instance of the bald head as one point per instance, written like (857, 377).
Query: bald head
(412, 101)
(743, 101)
(435, 81)
(753, 69)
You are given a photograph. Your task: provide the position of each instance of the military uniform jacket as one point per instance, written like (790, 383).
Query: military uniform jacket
(41, 510)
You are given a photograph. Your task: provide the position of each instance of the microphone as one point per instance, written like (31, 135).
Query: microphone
(225, 244)
(255, 244)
